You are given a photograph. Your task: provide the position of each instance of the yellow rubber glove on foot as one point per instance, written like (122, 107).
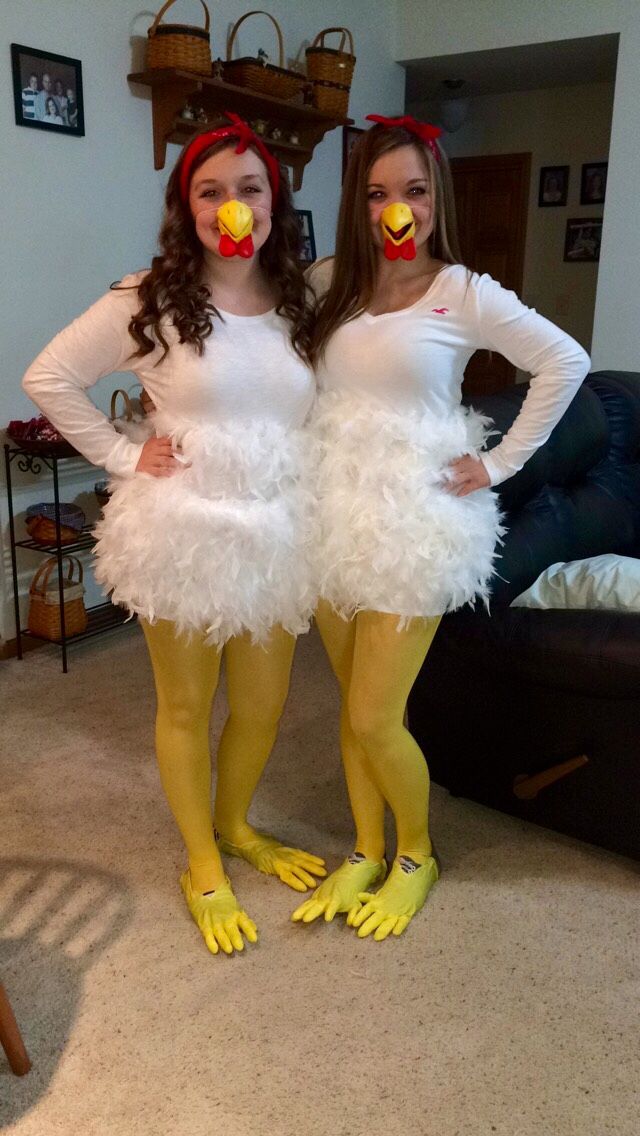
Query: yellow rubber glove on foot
(391, 909)
(294, 867)
(219, 917)
(339, 892)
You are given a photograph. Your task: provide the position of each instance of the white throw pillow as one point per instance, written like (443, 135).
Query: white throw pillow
(607, 582)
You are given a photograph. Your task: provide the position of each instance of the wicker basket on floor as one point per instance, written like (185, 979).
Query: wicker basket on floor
(179, 45)
(44, 601)
(263, 77)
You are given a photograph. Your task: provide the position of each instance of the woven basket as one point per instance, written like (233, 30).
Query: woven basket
(43, 531)
(44, 601)
(331, 98)
(41, 522)
(265, 78)
(179, 45)
(127, 416)
(133, 422)
(102, 492)
(333, 65)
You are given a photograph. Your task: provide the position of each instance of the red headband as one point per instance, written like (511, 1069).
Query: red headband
(245, 136)
(423, 130)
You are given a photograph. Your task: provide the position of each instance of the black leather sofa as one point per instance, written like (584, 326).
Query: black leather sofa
(508, 705)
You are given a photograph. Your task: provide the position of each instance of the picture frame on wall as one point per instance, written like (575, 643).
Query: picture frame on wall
(593, 185)
(554, 186)
(582, 239)
(350, 135)
(308, 239)
(47, 90)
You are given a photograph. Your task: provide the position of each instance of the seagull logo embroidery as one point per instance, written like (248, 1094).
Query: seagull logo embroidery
(440, 311)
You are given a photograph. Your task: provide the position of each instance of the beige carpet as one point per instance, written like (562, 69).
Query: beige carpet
(509, 1006)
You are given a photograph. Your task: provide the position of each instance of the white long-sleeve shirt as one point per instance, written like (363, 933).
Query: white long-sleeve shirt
(248, 370)
(420, 353)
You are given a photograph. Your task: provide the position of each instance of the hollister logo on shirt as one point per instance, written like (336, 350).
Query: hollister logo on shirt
(440, 311)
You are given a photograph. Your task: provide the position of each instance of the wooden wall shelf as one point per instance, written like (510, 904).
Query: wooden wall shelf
(172, 88)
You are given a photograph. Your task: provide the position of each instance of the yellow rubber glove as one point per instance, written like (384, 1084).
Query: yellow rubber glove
(219, 917)
(339, 892)
(291, 865)
(391, 909)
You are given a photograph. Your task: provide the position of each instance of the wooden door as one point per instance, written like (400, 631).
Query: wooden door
(492, 199)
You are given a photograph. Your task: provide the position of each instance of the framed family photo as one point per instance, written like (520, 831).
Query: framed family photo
(47, 90)
(350, 135)
(308, 238)
(594, 183)
(582, 239)
(554, 185)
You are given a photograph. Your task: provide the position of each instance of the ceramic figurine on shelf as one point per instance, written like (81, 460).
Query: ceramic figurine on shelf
(293, 137)
(187, 112)
(260, 127)
(217, 69)
(262, 57)
(201, 115)
(276, 134)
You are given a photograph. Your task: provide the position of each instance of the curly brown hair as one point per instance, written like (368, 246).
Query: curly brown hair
(355, 264)
(173, 286)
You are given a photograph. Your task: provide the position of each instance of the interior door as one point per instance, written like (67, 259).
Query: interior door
(492, 198)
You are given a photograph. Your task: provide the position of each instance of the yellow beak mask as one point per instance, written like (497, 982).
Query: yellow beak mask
(398, 230)
(235, 222)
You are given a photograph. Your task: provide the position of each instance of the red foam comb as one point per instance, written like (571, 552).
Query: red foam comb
(423, 130)
(245, 135)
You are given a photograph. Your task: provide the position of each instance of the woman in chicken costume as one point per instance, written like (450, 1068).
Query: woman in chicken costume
(408, 525)
(207, 533)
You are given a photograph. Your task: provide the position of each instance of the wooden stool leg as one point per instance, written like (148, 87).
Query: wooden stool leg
(526, 788)
(10, 1038)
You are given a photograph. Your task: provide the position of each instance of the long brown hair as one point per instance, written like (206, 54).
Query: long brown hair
(173, 286)
(355, 265)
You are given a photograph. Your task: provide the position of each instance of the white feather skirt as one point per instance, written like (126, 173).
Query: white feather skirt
(222, 547)
(389, 537)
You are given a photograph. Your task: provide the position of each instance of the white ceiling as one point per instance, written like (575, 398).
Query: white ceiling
(563, 63)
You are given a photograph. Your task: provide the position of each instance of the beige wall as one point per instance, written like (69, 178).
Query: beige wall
(559, 127)
(427, 28)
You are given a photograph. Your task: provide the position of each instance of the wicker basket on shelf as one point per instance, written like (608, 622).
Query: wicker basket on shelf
(43, 531)
(41, 522)
(133, 422)
(179, 45)
(44, 601)
(102, 491)
(330, 70)
(263, 77)
(331, 98)
(127, 414)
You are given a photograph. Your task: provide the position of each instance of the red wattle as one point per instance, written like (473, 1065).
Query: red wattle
(407, 250)
(245, 247)
(227, 246)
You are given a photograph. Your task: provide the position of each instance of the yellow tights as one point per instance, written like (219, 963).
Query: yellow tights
(186, 673)
(376, 666)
